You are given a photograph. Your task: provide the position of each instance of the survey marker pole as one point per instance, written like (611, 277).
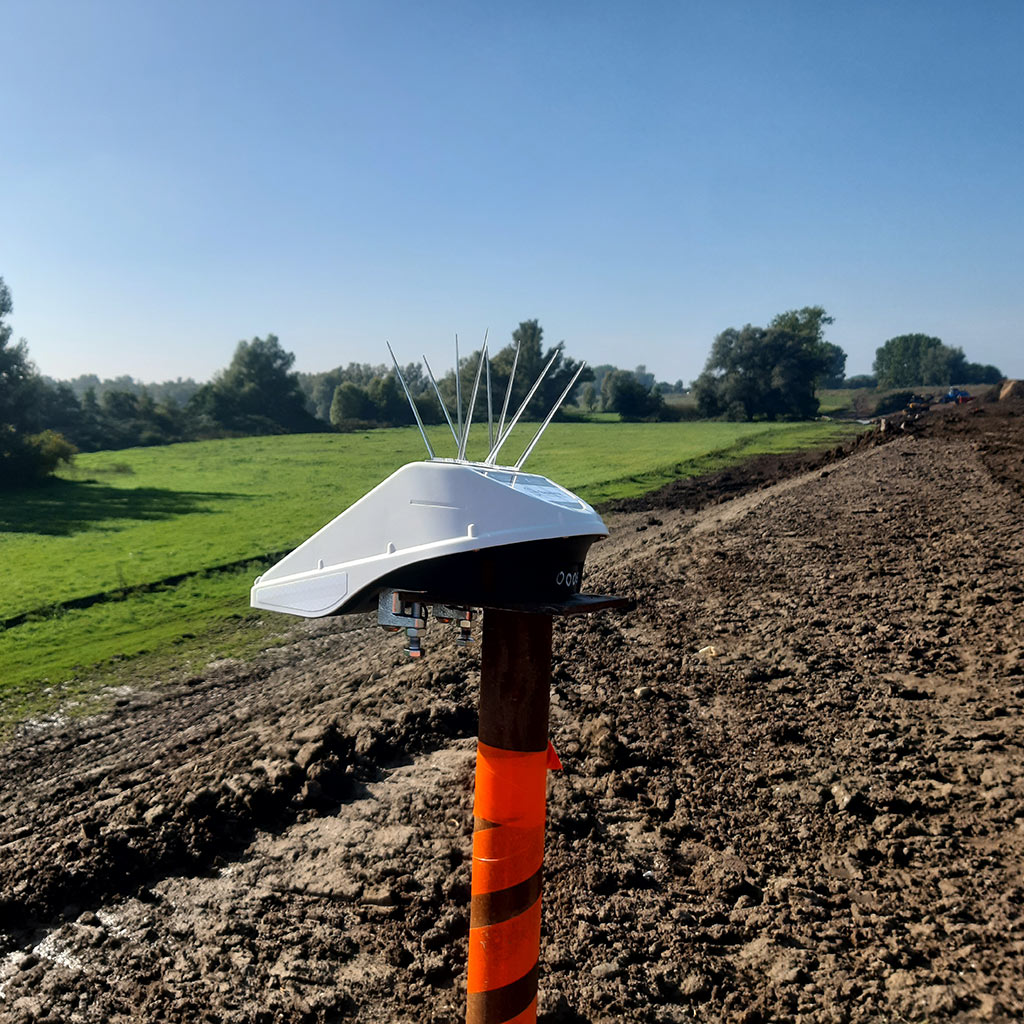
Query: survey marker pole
(513, 758)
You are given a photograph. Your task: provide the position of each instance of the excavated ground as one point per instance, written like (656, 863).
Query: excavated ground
(793, 785)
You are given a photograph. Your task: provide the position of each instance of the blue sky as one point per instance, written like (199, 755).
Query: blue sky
(178, 176)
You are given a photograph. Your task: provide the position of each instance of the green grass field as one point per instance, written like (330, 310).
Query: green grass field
(124, 524)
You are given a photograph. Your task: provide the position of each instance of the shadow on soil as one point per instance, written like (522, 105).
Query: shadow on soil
(64, 507)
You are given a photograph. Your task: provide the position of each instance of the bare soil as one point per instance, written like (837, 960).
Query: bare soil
(793, 785)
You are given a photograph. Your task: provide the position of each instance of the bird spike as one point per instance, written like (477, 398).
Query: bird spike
(458, 388)
(522, 408)
(490, 408)
(412, 403)
(550, 416)
(508, 391)
(472, 402)
(444, 408)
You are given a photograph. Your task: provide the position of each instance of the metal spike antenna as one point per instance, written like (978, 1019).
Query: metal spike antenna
(504, 436)
(412, 404)
(472, 402)
(550, 417)
(508, 391)
(490, 409)
(458, 391)
(444, 408)
(522, 408)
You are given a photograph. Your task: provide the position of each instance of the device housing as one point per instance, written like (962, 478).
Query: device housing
(462, 533)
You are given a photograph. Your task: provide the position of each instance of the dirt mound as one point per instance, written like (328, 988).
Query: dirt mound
(755, 473)
(793, 785)
(1012, 389)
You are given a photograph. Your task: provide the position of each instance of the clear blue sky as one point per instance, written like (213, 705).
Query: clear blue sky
(177, 176)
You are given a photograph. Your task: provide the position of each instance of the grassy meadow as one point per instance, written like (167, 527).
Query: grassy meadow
(161, 544)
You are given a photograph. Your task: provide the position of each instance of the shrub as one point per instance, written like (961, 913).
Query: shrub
(27, 458)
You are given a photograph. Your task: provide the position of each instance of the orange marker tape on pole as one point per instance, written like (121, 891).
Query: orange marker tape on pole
(508, 837)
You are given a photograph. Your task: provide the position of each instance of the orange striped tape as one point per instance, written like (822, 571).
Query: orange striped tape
(508, 854)
(510, 785)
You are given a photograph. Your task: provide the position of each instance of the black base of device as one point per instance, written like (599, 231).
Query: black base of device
(536, 572)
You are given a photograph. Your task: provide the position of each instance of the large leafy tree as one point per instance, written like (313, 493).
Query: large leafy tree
(769, 372)
(835, 369)
(19, 383)
(630, 395)
(533, 357)
(27, 453)
(909, 360)
(257, 394)
(351, 405)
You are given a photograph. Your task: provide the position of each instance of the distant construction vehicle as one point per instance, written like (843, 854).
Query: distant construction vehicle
(956, 396)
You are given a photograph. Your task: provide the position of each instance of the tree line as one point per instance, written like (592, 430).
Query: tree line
(770, 372)
(361, 395)
(168, 392)
(774, 372)
(43, 422)
(751, 372)
(26, 453)
(912, 360)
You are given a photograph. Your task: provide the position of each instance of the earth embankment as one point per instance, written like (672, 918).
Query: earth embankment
(793, 785)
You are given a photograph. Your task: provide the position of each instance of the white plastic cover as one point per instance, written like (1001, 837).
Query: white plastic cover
(422, 511)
